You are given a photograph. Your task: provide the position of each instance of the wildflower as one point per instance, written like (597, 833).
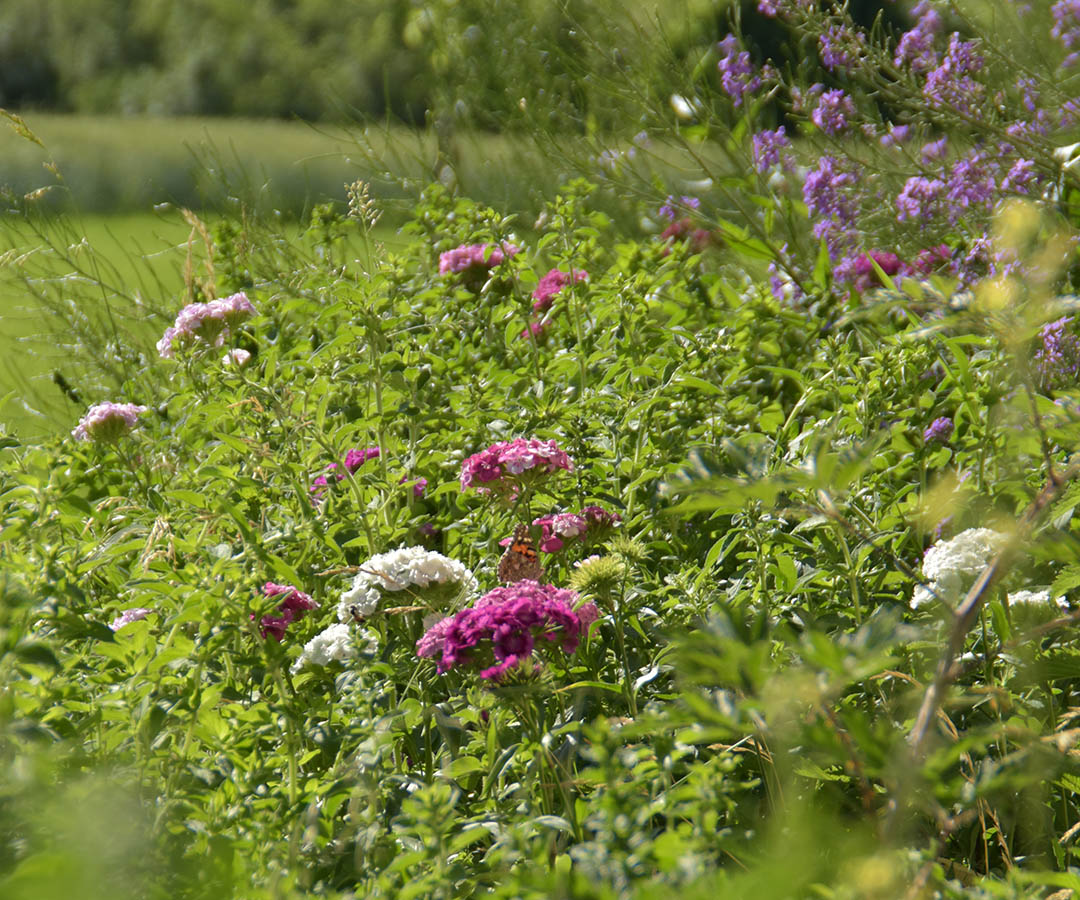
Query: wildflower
(504, 628)
(932, 258)
(1066, 28)
(537, 330)
(412, 569)
(1019, 177)
(354, 459)
(860, 270)
(670, 209)
(1059, 356)
(768, 147)
(333, 644)
(970, 184)
(950, 566)
(552, 283)
(238, 358)
(827, 192)
(839, 47)
(477, 257)
(419, 485)
(294, 603)
(736, 71)
(1035, 598)
(916, 47)
(919, 199)
(490, 468)
(205, 323)
(556, 527)
(107, 422)
(832, 112)
(896, 135)
(950, 84)
(933, 150)
(128, 616)
(939, 431)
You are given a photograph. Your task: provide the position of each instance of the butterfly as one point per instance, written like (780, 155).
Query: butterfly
(520, 561)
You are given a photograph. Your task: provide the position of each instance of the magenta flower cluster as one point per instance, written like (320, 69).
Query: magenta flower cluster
(502, 630)
(551, 284)
(294, 603)
(107, 422)
(475, 257)
(205, 323)
(354, 459)
(496, 467)
(556, 528)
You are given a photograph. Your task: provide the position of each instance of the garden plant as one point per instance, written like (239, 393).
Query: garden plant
(706, 531)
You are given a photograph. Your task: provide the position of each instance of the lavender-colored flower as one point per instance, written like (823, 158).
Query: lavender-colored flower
(1019, 177)
(939, 431)
(107, 422)
(1058, 359)
(1066, 28)
(672, 209)
(896, 135)
(477, 257)
(504, 628)
(950, 84)
(840, 47)
(496, 467)
(768, 147)
(920, 199)
(128, 616)
(935, 150)
(555, 280)
(970, 184)
(916, 47)
(828, 194)
(832, 112)
(737, 76)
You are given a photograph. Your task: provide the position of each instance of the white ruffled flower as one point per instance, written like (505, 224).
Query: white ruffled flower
(335, 644)
(1035, 598)
(408, 568)
(952, 566)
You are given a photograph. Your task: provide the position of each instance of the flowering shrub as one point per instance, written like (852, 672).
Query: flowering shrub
(473, 257)
(504, 626)
(107, 422)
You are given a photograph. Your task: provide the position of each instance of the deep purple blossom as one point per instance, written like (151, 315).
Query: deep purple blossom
(504, 628)
(939, 431)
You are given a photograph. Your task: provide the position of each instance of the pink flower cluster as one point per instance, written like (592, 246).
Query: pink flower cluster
(556, 527)
(544, 296)
(478, 256)
(488, 468)
(354, 459)
(128, 616)
(504, 626)
(107, 422)
(551, 284)
(208, 323)
(293, 605)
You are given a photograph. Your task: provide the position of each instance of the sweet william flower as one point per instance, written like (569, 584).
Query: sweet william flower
(293, 605)
(951, 566)
(107, 422)
(424, 573)
(495, 467)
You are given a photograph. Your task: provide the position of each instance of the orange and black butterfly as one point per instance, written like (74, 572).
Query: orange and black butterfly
(520, 561)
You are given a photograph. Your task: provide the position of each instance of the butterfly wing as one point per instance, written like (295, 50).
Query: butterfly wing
(520, 561)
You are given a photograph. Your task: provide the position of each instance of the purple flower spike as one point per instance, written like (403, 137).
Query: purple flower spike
(939, 431)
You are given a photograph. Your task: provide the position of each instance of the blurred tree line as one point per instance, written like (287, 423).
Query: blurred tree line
(332, 60)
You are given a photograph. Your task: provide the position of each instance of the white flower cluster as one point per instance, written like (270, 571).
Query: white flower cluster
(333, 644)
(951, 566)
(399, 570)
(1036, 598)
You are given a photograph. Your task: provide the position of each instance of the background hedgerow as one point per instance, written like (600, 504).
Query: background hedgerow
(834, 598)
